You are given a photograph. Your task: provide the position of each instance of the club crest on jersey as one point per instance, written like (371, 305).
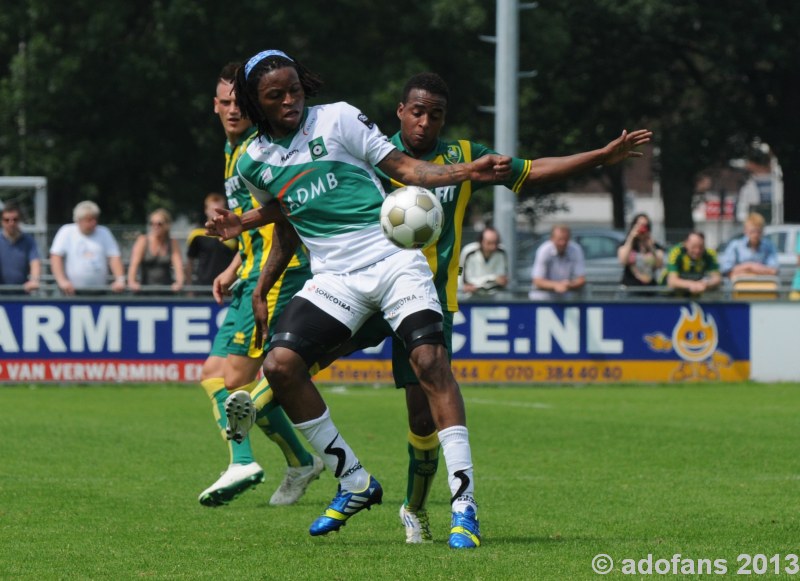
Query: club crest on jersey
(365, 120)
(266, 175)
(317, 148)
(454, 154)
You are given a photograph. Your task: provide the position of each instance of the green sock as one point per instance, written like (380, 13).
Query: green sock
(423, 461)
(239, 453)
(272, 420)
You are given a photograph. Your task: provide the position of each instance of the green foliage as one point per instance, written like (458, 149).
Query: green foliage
(112, 101)
(102, 483)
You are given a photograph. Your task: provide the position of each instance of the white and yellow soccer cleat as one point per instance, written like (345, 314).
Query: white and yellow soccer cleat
(295, 482)
(241, 413)
(418, 529)
(238, 478)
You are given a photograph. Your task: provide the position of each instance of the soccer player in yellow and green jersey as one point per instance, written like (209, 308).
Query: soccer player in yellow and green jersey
(235, 361)
(422, 114)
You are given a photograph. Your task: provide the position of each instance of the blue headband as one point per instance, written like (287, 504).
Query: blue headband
(260, 57)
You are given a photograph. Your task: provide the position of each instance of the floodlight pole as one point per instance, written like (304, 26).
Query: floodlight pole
(506, 113)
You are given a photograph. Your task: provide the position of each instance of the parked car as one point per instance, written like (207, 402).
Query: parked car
(599, 248)
(784, 237)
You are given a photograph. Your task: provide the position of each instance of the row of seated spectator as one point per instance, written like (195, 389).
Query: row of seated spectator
(85, 256)
(749, 263)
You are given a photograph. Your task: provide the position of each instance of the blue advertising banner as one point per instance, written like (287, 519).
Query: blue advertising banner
(584, 342)
(116, 340)
(106, 340)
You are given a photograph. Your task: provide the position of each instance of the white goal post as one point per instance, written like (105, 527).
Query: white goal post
(30, 194)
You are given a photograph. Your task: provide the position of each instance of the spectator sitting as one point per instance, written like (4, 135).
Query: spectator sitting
(486, 266)
(157, 255)
(83, 252)
(19, 257)
(559, 268)
(640, 255)
(691, 267)
(211, 254)
(750, 254)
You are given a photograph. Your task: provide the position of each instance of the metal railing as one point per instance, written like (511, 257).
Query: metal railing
(50, 289)
(593, 290)
(605, 291)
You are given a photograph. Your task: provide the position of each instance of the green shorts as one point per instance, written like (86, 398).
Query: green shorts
(376, 329)
(236, 335)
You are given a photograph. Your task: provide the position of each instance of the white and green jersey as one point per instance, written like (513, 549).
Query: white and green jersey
(323, 178)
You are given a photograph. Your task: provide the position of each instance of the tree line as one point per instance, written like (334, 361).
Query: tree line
(112, 101)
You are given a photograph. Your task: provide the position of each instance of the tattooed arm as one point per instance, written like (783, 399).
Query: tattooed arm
(410, 171)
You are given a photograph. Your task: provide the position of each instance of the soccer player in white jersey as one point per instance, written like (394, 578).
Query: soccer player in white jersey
(315, 164)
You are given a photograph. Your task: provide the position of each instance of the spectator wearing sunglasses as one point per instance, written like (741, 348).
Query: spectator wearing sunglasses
(19, 257)
(156, 256)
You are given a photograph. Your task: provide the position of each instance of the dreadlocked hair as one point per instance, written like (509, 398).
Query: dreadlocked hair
(246, 87)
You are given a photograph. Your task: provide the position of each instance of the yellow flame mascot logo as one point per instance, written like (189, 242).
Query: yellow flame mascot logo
(694, 339)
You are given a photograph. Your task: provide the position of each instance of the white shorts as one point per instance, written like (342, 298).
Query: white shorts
(398, 285)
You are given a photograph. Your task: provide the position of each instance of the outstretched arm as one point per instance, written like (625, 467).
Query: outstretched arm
(408, 170)
(547, 169)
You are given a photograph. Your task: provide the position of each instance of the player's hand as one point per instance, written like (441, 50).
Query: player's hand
(261, 316)
(221, 287)
(227, 225)
(624, 146)
(490, 168)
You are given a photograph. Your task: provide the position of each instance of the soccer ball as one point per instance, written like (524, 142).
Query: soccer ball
(412, 217)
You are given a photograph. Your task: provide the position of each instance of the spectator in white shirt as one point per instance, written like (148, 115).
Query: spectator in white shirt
(485, 266)
(82, 254)
(558, 269)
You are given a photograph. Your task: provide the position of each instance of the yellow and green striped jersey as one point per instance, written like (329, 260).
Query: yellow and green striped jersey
(254, 245)
(679, 262)
(443, 257)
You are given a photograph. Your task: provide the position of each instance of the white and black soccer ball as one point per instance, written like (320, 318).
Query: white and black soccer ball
(412, 217)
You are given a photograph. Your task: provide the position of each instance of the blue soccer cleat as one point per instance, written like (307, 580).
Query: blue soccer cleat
(465, 532)
(344, 505)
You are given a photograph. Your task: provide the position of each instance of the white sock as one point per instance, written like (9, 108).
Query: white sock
(338, 457)
(458, 457)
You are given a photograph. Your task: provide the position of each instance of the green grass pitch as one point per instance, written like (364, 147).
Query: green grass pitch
(101, 482)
